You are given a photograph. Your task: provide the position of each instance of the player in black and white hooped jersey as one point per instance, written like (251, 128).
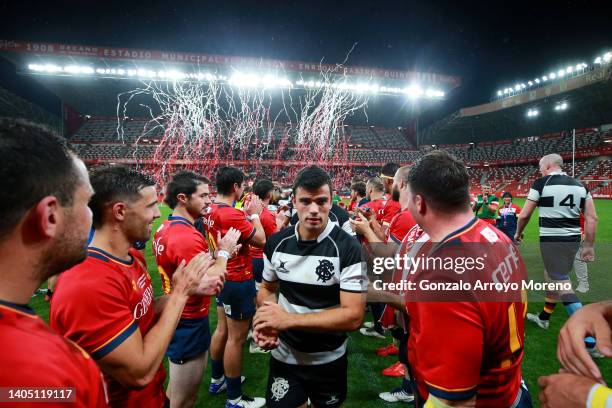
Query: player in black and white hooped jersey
(561, 200)
(317, 270)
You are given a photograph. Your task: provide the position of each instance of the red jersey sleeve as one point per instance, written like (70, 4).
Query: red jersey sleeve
(100, 317)
(389, 211)
(237, 219)
(400, 225)
(450, 353)
(268, 222)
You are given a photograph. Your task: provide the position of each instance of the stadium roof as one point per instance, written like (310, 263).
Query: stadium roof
(96, 94)
(587, 99)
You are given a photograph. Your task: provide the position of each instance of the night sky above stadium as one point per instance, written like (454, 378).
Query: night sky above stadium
(488, 47)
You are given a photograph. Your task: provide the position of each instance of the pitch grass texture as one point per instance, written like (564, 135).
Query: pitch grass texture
(364, 379)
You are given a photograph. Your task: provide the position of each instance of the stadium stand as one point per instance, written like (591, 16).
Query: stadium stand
(508, 165)
(13, 106)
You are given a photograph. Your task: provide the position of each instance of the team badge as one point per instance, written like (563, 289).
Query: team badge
(325, 270)
(281, 268)
(279, 388)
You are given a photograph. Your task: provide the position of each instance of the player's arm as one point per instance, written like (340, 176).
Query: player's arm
(135, 361)
(269, 283)
(382, 296)
(347, 317)
(253, 209)
(226, 248)
(267, 292)
(360, 225)
(591, 320)
(159, 304)
(493, 204)
(570, 390)
(524, 217)
(379, 230)
(267, 339)
(590, 222)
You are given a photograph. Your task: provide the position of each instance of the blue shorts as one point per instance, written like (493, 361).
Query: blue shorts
(257, 266)
(191, 339)
(238, 299)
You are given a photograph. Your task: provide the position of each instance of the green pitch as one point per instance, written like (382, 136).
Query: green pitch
(365, 381)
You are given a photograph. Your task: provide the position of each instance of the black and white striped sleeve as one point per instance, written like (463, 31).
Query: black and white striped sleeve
(535, 192)
(353, 276)
(269, 272)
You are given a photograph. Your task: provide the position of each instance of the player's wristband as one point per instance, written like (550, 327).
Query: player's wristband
(254, 217)
(599, 397)
(223, 254)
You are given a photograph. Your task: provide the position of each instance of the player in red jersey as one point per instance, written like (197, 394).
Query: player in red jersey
(387, 174)
(400, 225)
(358, 196)
(263, 188)
(236, 303)
(43, 229)
(465, 346)
(175, 241)
(106, 304)
(375, 193)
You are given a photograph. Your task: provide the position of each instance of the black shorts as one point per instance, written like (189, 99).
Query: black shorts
(190, 340)
(558, 258)
(238, 299)
(290, 386)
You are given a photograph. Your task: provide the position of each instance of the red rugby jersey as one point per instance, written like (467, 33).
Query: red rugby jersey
(401, 223)
(98, 304)
(176, 240)
(352, 205)
(391, 208)
(464, 348)
(376, 207)
(33, 355)
(268, 222)
(220, 218)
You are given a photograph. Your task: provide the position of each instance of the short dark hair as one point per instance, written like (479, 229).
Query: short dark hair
(359, 187)
(36, 162)
(184, 182)
(389, 169)
(112, 184)
(441, 180)
(226, 177)
(311, 178)
(262, 188)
